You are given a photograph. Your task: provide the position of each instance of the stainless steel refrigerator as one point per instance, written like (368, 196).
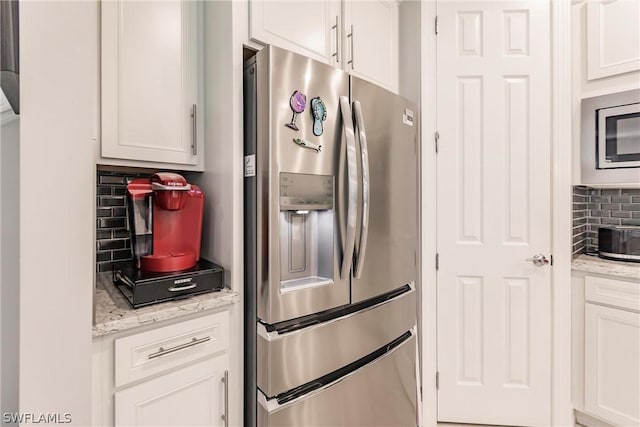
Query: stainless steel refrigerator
(330, 247)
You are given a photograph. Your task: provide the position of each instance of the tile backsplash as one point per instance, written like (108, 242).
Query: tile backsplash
(580, 218)
(595, 207)
(112, 236)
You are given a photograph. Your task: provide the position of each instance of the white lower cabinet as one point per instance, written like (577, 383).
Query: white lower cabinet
(612, 368)
(191, 396)
(175, 374)
(605, 350)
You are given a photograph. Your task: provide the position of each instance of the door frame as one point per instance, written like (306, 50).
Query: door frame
(561, 162)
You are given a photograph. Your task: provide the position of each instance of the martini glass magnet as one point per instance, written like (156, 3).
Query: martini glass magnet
(297, 103)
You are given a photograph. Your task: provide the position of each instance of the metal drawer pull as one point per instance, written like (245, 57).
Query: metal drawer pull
(194, 130)
(182, 288)
(225, 416)
(336, 52)
(194, 341)
(350, 35)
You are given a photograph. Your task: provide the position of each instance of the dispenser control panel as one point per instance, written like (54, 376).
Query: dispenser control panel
(305, 191)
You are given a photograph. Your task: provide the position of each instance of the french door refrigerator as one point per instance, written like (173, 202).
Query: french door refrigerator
(330, 247)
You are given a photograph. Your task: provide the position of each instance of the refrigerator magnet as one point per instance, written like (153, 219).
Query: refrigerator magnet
(297, 102)
(319, 113)
(308, 144)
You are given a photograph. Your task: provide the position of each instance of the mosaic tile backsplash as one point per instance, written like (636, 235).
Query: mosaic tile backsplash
(112, 236)
(594, 207)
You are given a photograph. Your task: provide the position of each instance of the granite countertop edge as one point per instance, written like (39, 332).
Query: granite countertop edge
(114, 314)
(594, 264)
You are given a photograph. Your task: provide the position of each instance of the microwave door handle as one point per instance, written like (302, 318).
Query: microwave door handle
(352, 186)
(364, 229)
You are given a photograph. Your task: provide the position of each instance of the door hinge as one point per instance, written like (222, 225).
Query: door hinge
(437, 380)
(551, 259)
(437, 262)
(436, 138)
(436, 25)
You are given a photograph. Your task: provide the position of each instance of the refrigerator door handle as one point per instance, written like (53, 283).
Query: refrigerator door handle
(364, 230)
(352, 186)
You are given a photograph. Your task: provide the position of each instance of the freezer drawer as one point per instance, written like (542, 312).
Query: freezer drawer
(291, 359)
(380, 393)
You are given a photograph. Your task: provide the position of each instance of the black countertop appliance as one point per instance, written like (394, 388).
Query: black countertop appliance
(619, 243)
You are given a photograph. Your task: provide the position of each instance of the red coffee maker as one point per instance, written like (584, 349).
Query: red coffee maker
(165, 220)
(165, 225)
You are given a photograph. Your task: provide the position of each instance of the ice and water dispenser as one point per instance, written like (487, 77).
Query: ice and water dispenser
(306, 231)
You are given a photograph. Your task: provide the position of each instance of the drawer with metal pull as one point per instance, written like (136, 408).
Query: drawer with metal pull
(151, 352)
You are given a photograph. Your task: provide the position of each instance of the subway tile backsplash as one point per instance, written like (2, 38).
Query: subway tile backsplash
(594, 207)
(112, 237)
(580, 218)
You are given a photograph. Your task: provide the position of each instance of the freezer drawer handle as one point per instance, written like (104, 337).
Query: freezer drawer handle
(194, 341)
(352, 186)
(364, 229)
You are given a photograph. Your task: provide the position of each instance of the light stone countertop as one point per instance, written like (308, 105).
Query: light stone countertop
(594, 264)
(114, 314)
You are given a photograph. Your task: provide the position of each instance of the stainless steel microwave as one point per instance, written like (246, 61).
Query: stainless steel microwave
(610, 138)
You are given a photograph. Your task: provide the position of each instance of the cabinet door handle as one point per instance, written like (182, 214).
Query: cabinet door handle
(225, 416)
(194, 341)
(350, 36)
(194, 130)
(336, 52)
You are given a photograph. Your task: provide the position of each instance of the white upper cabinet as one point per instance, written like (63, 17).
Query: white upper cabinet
(371, 41)
(613, 37)
(360, 37)
(310, 28)
(151, 107)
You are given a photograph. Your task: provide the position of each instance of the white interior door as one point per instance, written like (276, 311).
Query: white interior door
(493, 108)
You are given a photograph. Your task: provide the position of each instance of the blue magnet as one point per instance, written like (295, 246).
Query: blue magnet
(319, 112)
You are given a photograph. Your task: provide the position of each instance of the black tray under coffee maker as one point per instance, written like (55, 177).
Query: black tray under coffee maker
(142, 288)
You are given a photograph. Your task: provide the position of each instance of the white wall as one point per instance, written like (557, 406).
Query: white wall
(222, 180)
(411, 41)
(58, 42)
(9, 268)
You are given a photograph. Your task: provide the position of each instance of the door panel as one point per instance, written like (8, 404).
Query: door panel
(612, 371)
(493, 173)
(390, 256)
(191, 396)
(150, 68)
(371, 41)
(299, 249)
(286, 24)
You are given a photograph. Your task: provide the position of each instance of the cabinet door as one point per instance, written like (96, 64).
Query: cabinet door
(150, 71)
(612, 364)
(613, 37)
(371, 41)
(192, 396)
(310, 28)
